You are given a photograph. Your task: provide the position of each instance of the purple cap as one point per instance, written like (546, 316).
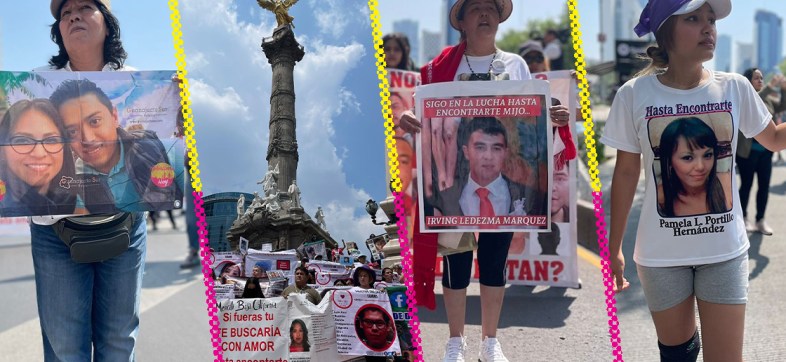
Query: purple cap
(657, 11)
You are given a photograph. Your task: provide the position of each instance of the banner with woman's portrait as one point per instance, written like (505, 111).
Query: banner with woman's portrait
(90, 142)
(226, 264)
(484, 156)
(317, 341)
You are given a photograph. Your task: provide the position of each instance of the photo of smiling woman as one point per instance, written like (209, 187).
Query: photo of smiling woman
(691, 181)
(33, 160)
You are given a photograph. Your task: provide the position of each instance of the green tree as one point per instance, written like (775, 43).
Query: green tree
(10, 81)
(512, 39)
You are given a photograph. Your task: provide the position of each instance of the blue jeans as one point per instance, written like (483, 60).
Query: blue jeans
(88, 308)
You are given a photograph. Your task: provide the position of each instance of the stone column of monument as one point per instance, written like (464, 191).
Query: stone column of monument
(392, 249)
(282, 51)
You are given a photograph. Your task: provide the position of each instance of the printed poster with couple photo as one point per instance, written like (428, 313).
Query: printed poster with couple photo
(90, 142)
(693, 164)
(484, 156)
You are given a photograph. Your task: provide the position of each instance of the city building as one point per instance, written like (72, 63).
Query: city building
(723, 53)
(410, 29)
(626, 16)
(769, 40)
(745, 56)
(220, 212)
(452, 36)
(431, 46)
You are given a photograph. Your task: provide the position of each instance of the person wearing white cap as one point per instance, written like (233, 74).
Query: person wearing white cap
(691, 245)
(476, 57)
(87, 310)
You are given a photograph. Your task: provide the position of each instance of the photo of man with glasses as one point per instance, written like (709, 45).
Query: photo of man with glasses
(375, 328)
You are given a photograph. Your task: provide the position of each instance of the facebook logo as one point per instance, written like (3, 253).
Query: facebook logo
(398, 300)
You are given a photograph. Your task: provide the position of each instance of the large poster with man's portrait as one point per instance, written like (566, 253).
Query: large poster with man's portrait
(484, 156)
(90, 142)
(364, 323)
(550, 257)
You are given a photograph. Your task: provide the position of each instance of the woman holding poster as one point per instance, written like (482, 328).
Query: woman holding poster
(30, 175)
(73, 326)
(702, 259)
(476, 57)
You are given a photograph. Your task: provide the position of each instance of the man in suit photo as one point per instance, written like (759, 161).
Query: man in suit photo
(485, 191)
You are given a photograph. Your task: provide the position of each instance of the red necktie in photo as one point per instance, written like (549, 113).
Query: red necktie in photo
(486, 209)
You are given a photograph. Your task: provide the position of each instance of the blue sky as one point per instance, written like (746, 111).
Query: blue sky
(145, 28)
(339, 124)
(739, 24)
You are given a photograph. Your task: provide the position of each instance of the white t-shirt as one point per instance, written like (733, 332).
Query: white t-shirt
(642, 109)
(514, 65)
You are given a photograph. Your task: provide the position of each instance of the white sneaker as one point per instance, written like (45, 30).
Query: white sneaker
(491, 351)
(454, 350)
(762, 227)
(750, 226)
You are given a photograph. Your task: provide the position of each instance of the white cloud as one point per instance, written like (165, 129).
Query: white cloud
(331, 16)
(231, 94)
(348, 100)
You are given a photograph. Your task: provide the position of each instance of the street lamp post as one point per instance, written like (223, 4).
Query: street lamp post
(392, 249)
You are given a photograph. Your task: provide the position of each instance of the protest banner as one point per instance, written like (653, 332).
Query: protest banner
(254, 329)
(226, 263)
(402, 91)
(549, 258)
(364, 323)
(397, 294)
(328, 272)
(375, 245)
(260, 262)
(352, 248)
(312, 249)
(272, 287)
(492, 159)
(224, 291)
(346, 260)
(318, 341)
(88, 124)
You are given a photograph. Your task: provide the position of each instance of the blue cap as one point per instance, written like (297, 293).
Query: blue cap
(658, 11)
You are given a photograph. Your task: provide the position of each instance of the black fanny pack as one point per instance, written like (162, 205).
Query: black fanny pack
(95, 238)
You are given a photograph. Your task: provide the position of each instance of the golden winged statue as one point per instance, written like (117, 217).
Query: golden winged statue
(279, 7)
